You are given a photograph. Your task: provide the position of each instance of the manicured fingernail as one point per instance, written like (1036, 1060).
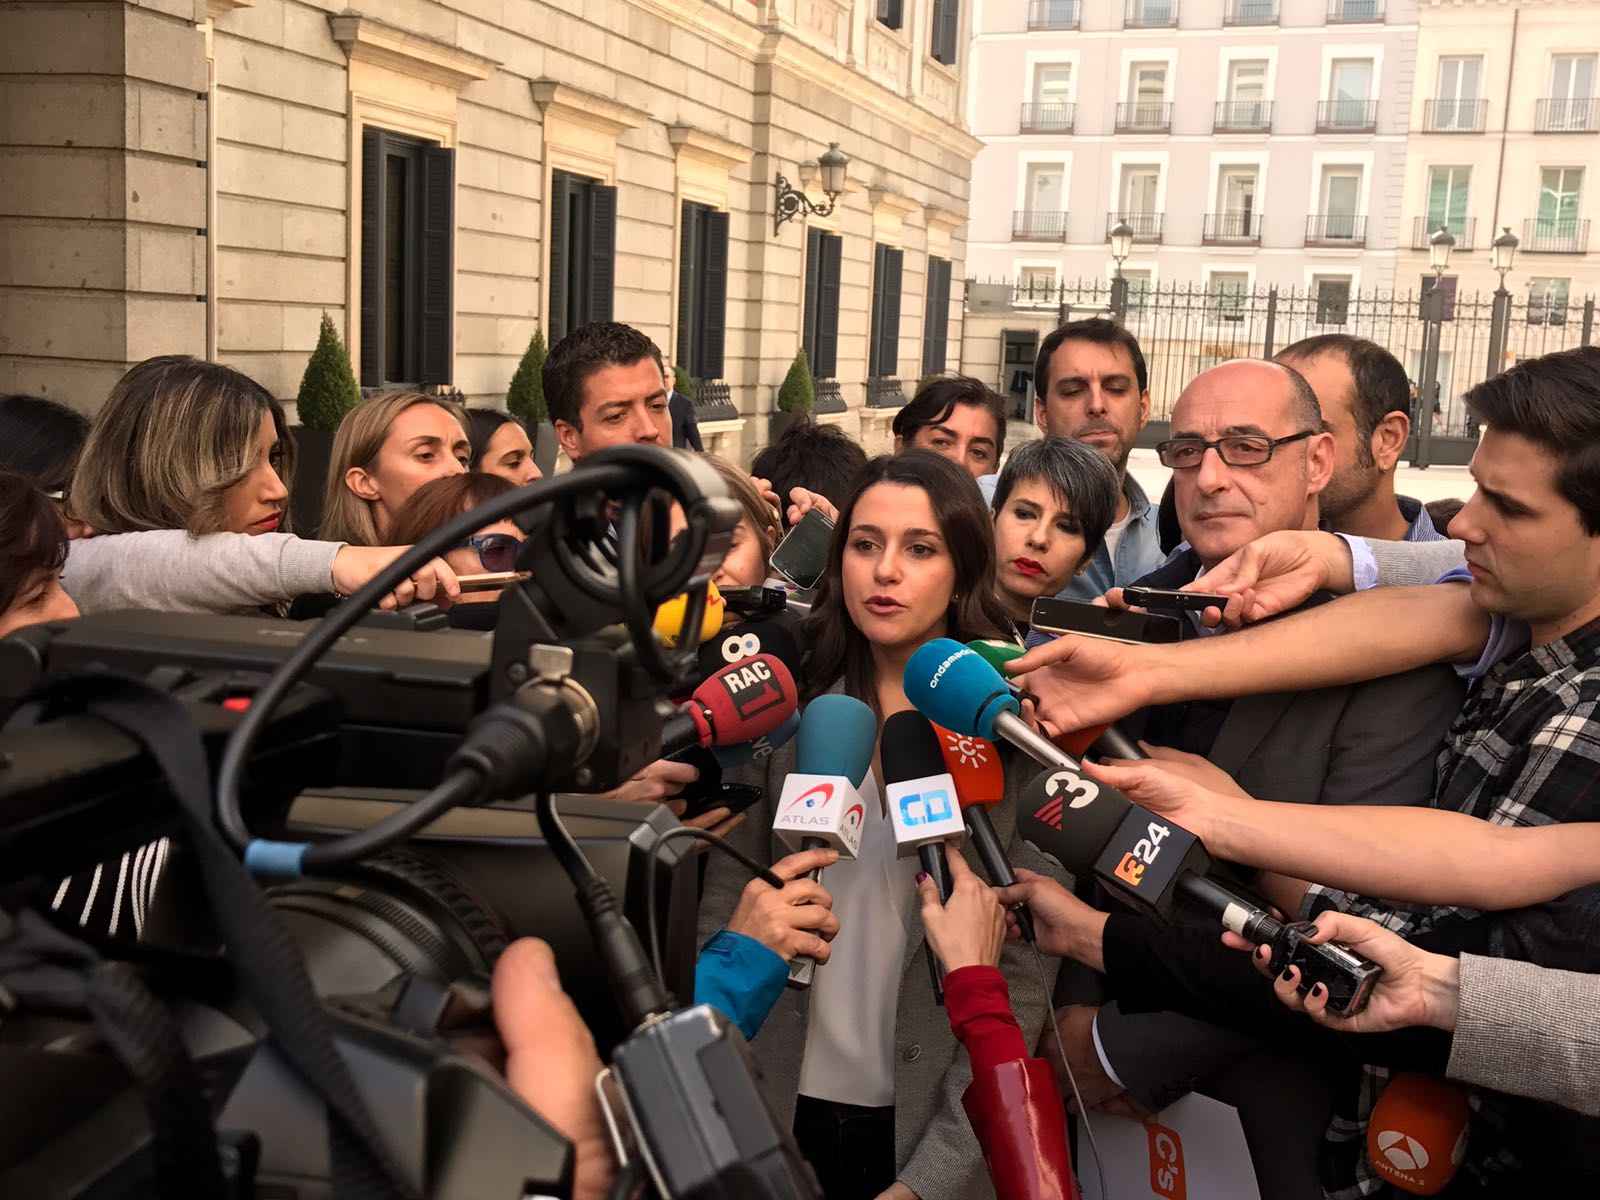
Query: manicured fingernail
(1288, 974)
(1317, 990)
(1262, 952)
(1312, 932)
(921, 875)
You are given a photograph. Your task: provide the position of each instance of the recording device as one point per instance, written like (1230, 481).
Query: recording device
(1172, 600)
(1096, 620)
(751, 602)
(974, 765)
(491, 581)
(921, 799)
(802, 556)
(1417, 1135)
(820, 805)
(567, 695)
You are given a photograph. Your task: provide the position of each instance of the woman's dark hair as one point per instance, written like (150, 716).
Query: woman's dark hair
(838, 649)
(32, 537)
(817, 457)
(482, 425)
(1079, 476)
(936, 400)
(438, 500)
(41, 439)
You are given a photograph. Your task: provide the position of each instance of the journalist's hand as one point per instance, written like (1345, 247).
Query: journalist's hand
(1163, 788)
(1079, 681)
(969, 929)
(1191, 768)
(354, 567)
(1064, 925)
(796, 920)
(801, 501)
(1416, 988)
(1276, 573)
(551, 1061)
(657, 783)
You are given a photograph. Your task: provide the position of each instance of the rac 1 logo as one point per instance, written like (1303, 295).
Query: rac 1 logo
(925, 808)
(1166, 1163)
(1132, 867)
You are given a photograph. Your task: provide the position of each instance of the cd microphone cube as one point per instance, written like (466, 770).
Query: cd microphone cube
(823, 808)
(923, 812)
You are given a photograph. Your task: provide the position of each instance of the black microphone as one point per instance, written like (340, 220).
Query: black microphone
(774, 635)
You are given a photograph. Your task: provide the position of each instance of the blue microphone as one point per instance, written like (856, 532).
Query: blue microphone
(745, 753)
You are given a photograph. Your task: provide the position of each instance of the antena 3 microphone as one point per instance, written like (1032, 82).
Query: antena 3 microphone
(980, 781)
(1417, 1136)
(820, 805)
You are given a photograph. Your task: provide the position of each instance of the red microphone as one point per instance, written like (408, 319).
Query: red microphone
(1417, 1134)
(744, 701)
(980, 781)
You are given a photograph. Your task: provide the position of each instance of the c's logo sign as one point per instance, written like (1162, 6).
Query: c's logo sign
(1166, 1163)
(925, 808)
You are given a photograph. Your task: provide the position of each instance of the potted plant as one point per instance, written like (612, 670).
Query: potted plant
(327, 391)
(796, 398)
(525, 401)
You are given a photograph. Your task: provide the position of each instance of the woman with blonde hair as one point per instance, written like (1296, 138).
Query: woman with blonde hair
(386, 448)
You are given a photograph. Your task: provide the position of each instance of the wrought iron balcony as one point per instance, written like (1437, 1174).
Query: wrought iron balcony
(1250, 12)
(1144, 117)
(1047, 118)
(1563, 236)
(1336, 229)
(1464, 231)
(1454, 116)
(1150, 14)
(1038, 226)
(1559, 114)
(1053, 14)
(1146, 226)
(1232, 229)
(1242, 116)
(1355, 12)
(1347, 116)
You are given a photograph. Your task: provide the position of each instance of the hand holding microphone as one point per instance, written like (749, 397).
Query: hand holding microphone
(969, 928)
(795, 920)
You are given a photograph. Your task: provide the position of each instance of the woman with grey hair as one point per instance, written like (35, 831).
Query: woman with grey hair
(182, 481)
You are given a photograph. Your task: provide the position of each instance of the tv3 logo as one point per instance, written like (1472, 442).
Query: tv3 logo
(925, 808)
(1166, 1163)
(1143, 855)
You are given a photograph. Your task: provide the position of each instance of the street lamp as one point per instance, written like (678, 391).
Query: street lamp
(833, 165)
(1121, 247)
(1439, 247)
(1502, 251)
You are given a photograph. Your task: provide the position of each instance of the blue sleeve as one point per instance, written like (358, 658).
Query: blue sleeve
(740, 978)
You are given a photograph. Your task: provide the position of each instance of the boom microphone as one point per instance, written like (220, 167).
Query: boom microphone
(740, 703)
(980, 781)
(1417, 1136)
(820, 805)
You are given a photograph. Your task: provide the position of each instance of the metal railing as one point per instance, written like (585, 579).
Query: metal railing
(1027, 226)
(1347, 116)
(1146, 226)
(1558, 114)
(1562, 236)
(1250, 12)
(1336, 229)
(1354, 12)
(1143, 116)
(829, 397)
(1454, 116)
(1047, 118)
(1053, 14)
(1231, 227)
(1242, 116)
(1464, 231)
(713, 401)
(884, 392)
(1150, 14)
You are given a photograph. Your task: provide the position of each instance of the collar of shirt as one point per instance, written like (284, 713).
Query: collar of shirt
(1422, 528)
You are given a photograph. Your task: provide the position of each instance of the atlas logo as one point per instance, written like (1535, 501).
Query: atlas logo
(925, 808)
(945, 666)
(1130, 870)
(1066, 789)
(819, 796)
(1404, 1152)
(968, 751)
(1166, 1162)
(737, 646)
(853, 817)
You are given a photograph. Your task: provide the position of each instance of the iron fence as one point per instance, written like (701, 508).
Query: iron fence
(1186, 328)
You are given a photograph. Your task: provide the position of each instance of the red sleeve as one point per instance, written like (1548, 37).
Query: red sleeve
(979, 1005)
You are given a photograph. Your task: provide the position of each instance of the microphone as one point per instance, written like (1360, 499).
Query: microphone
(1417, 1135)
(772, 635)
(980, 781)
(921, 798)
(668, 622)
(740, 703)
(1105, 740)
(820, 805)
(743, 753)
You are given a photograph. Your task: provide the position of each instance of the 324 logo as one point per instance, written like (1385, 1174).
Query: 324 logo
(1143, 855)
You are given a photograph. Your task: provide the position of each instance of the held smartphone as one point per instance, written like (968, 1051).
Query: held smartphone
(1168, 600)
(802, 556)
(1093, 620)
(490, 581)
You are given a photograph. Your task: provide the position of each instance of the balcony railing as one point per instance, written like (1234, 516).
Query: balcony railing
(1146, 226)
(1047, 118)
(1038, 226)
(1565, 115)
(1464, 231)
(1232, 229)
(1250, 12)
(1336, 229)
(1242, 116)
(1569, 236)
(885, 392)
(1144, 117)
(1454, 116)
(1347, 116)
(713, 401)
(1354, 12)
(1150, 14)
(1053, 14)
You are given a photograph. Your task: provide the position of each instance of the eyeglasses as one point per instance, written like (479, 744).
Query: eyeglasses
(1240, 450)
(496, 551)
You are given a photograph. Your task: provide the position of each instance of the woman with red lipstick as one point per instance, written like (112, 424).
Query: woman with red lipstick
(865, 1060)
(1052, 506)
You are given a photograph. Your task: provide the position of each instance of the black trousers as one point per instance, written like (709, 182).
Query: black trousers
(851, 1148)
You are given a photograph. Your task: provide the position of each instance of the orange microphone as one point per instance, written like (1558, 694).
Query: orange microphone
(974, 765)
(1417, 1135)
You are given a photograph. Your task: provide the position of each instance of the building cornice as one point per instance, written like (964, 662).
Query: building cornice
(367, 40)
(708, 147)
(586, 108)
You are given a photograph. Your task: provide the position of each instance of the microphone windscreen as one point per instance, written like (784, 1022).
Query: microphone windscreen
(1070, 817)
(910, 748)
(952, 685)
(748, 752)
(836, 735)
(1417, 1135)
(669, 617)
(1078, 742)
(770, 635)
(975, 766)
(995, 652)
(747, 699)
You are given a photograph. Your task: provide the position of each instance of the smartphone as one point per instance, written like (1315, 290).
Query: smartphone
(1168, 600)
(802, 556)
(490, 581)
(1094, 620)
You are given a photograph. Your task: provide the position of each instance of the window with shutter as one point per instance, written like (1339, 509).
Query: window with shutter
(891, 13)
(583, 250)
(884, 359)
(602, 251)
(407, 300)
(820, 320)
(946, 28)
(702, 290)
(936, 318)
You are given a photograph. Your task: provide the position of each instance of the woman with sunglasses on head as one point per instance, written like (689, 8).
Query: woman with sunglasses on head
(870, 1056)
(182, 481)
(385, 449)
(491, 550)
(500, 446)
